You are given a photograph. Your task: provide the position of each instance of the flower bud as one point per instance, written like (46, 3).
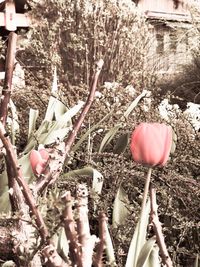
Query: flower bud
(38, 160)
(151, 144)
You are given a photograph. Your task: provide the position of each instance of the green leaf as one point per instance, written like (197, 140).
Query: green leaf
(63, 244)
(134, 104)
(83, 138)
(26, 168)
(154, 259)
(121, 144)
(3, 182)
(145, 252)
(139, 238)
(54, 88)
(88, 171)
(50, 131)
(112, 132)
(5, 201)
(97, 181)
(120, 211)
(27, 174)
(13, 122)
(174, 141)
(110, 253)
(8, 264)
(33, 115)
(97, 177)
(108, 137)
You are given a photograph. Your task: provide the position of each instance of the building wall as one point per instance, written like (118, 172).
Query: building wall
(164, 6)
(172, 38)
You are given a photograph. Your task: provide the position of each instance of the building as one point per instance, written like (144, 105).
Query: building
(172, 33)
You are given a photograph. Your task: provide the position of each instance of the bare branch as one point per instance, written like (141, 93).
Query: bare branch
(102, 235)
(50, 176)
(70, 140)
(158, 229)
(6, 92)
(70, 230)
(86, 240)
(17, 174)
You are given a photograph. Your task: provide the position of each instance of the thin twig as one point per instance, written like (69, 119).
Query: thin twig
(70, 140)
(158, 229)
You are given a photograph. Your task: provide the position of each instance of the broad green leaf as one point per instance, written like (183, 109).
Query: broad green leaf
(139, 238)
(4, 201)
(83, 138)
(54, 88)
(3, 182)
(33, 115)
(13, 122)
(8, 264)
(53, 101)
(50, 131)
(26, 168)
(174, 141)
(110, 253)
(97, 181)
(134, 104)
(112, 132)
(27, 174)
(60, 110)
(120, 211)
(108, 137)
(145, 252)
(97, 177)
(63, 244)
(84, 171)
(154, 259)
(196, 263)
(52, 136)
(121, 144)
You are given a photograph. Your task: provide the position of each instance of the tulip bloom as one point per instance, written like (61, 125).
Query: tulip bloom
(151, 144)
(38, 160)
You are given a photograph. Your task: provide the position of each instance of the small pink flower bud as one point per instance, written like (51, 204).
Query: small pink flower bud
(38, 160)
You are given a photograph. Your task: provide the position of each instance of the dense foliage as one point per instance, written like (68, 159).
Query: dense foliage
(72, 35)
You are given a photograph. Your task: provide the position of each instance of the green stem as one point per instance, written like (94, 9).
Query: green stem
(144, 201)
(146, 190)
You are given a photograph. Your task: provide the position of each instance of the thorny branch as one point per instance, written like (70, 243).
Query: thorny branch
(81, 242)
(6, 92)
(158, 229)
(102, 236)
(17, 174)
(70, 229)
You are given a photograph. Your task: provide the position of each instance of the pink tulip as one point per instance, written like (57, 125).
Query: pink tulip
(38, 159)
(151, 143)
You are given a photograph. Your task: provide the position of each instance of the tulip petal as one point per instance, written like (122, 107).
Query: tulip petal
(44, 153)
(38, 161)
(151, 143)
(34, 158)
